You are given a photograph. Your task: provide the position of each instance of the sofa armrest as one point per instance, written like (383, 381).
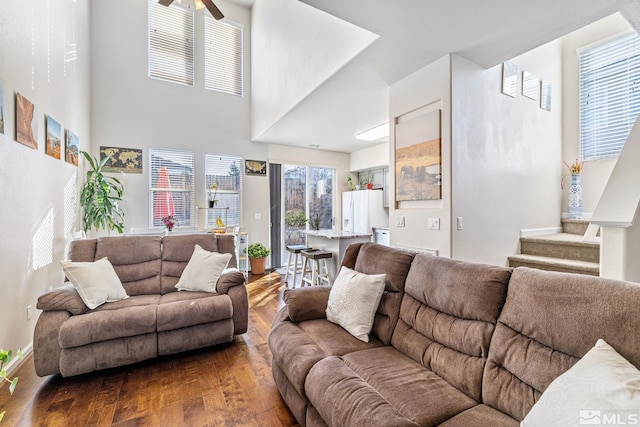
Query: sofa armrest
(65, 298)
(307, 303)
(228, 280)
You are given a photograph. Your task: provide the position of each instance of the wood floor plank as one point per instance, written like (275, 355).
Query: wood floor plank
(226, 385)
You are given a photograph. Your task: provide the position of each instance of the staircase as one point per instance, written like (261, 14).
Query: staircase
(570, 251)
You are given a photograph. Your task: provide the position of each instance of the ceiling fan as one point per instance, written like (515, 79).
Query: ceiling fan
(212, 8)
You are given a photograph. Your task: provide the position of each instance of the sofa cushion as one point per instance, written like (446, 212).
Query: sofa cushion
(481, 415)
(106, 325)
(136, 260)
(415, 391)
(297, 347)
(447, 317)
(378, 259)
(203, 270)
(353, 301)
(181, 309)
(176, 253)
(602, 379)
(550, 320)
(96, 282)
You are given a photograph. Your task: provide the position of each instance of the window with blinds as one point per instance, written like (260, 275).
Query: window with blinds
(226, 173)
(223, 56)
(171, 43)
(171, 186)
(609, 96)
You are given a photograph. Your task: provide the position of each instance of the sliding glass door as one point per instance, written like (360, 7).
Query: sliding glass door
(307, 203)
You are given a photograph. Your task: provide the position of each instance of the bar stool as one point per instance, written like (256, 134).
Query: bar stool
(294, 251)
(317, 276)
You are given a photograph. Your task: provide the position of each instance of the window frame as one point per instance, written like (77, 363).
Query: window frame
(224, 63)
(237, 219)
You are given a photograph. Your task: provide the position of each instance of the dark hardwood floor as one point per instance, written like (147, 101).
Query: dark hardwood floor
(225, 385)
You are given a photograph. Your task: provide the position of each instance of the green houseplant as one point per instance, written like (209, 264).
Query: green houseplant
(5, 357)
(100, 198)
(257, 256)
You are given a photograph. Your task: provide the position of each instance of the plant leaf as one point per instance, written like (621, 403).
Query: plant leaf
(13, 385)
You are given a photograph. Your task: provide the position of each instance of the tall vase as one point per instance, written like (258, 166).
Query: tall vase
(575, 198)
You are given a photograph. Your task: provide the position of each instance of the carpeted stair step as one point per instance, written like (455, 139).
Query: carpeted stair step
(555, 264)
(575, 226)
(562, 245)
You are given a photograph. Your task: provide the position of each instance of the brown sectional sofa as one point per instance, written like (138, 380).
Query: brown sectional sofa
(453, 343)
(155, 320)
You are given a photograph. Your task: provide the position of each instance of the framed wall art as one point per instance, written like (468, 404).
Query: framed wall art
(53, 145)
(530, 85)
(127, 160)
(255, 167)
(72, 148)
(26, 122)
(509, 79)
(1, 107)
(419, 158)
(545, 95)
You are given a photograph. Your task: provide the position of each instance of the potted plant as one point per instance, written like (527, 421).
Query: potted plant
(100, 198)
(257, 253)
(213, 192)
(5, 357)
(367, 181)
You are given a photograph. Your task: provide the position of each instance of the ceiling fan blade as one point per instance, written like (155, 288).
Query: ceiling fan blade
(165, 2)
(212, 9)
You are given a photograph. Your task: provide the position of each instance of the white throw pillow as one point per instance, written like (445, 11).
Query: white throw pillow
(203, 270)
(353, 301)
(96, 282)
(601, 385)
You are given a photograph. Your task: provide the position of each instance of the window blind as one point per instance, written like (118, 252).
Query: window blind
(226, 172)
(171, 186)
(609, 96)
(223, 56)
(170, 43)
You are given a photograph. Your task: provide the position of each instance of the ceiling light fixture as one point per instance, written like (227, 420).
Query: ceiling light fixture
(374, 134)
(198, 4)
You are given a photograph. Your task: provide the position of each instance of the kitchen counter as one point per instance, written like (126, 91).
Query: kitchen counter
(335, 242)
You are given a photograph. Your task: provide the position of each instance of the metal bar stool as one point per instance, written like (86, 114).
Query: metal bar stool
(317, 276)
(294, 269)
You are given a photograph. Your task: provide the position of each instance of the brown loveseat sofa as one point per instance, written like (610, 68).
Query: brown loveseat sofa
(155, 320)
(453, 343)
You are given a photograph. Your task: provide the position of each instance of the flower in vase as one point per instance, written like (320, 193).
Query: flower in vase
(169, 222)
(574, 169)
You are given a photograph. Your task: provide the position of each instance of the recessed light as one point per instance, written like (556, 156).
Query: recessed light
(376, 133)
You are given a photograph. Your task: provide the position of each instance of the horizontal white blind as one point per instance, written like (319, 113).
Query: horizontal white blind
(171, 186)
(171, 43)
(609, 96)
(223, 56)
(226, 172)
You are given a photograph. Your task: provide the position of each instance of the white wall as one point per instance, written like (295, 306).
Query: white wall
(38, 208)
(296, 48)
(595, 173)
(506, 156)
(369, 158)
(429, 88)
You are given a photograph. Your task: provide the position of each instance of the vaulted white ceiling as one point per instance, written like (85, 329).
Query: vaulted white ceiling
(412, 34)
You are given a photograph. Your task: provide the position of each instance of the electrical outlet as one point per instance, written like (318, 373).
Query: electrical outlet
(29, 312)
(460, 226)
(400, 221)
(434, 223)
(258, 216)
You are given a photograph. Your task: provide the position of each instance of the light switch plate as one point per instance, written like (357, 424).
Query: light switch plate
(434, 223)
(400, 221)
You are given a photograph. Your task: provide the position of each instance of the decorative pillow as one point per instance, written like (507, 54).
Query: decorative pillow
(602, 383)
(96, 282)
(203, 270)
(353, 301)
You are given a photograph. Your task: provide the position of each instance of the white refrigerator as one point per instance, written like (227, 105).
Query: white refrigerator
(362, 210)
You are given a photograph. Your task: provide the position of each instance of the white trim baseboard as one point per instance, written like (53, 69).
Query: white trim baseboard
(532, 232)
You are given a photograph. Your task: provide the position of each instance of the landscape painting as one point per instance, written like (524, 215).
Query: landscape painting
(26, 122)
(72, 148)
(127, 160)
(419, 158)
(1, 107)
(54, 138)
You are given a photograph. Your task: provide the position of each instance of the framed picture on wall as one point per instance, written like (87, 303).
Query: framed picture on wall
(53, 144)
(530, 85)
(419, 158)
(72, 148)
(545, 95)
(127, 160)
(509, 79)
(26, 122)
(255, 167)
